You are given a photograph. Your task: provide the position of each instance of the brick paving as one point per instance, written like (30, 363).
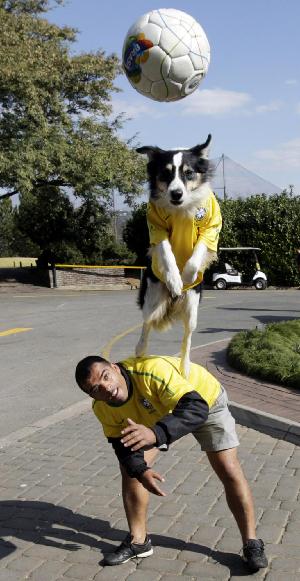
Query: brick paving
(61, 508)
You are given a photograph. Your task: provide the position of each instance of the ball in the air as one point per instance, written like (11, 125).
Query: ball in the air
(166, 54)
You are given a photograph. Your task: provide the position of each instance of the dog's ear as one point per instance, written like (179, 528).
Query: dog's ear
(203, 149)
(149, 150)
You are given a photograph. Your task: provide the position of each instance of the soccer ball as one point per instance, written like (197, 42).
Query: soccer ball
(166, 54)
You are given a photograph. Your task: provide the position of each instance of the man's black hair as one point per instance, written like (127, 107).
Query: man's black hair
(83, 369)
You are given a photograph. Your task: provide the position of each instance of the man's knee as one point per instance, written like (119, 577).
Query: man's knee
(226, 465)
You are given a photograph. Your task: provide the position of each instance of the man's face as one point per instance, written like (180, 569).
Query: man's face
(106, 383)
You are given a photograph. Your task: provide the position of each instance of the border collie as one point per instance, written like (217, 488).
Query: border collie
(184, 222)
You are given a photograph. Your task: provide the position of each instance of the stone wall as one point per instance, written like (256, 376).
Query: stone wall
(61, 277)
(100, 278)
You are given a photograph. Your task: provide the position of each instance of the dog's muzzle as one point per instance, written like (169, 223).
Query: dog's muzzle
(176, 196)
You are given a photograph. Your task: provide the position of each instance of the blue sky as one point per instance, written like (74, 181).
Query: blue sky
(249, 99)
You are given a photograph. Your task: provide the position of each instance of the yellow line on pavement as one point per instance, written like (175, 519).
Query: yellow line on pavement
(108, 347)
(13, 331)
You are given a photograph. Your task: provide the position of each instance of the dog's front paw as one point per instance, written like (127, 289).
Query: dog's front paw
(190, 272)
(174, 283)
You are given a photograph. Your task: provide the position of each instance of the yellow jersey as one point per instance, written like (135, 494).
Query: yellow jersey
(184, 231)
(157, 386)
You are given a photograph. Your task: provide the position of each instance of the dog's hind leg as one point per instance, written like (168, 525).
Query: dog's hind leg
(141, 348)
(154, 307)
(189, 316)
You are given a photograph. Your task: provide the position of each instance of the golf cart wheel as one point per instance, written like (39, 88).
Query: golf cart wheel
(221, 284)
(260, 284)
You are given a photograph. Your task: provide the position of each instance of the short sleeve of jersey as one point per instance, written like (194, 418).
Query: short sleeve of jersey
(157, 225)
(210, 233)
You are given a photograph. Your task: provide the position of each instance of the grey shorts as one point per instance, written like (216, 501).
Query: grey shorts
(218, 433)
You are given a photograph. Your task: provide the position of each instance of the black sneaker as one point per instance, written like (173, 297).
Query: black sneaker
(254, 555)
(128, 550)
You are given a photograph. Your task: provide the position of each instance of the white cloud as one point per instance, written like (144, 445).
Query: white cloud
(272, 106)
(286, 154)
(133, 110)
(291, 82)
(215, 102)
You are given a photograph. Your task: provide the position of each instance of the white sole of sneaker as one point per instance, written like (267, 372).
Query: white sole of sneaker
(140, 556)
(146, 554)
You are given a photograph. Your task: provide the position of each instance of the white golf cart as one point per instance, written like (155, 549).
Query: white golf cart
(226, 275)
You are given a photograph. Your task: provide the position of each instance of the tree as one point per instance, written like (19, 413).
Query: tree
(7, 228)
(95, 237)
(270, 223)
(55, 125)
(46, 217)
(136, 235)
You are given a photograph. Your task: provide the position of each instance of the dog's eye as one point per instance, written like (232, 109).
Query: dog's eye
(190, 175)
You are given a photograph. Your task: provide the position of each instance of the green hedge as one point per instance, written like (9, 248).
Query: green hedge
(270, 223)
(272, 354)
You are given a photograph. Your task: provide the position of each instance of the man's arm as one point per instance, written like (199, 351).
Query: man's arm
(189, 414)
(133, 462)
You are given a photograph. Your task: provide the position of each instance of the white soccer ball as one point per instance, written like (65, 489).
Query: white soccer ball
(166, 54)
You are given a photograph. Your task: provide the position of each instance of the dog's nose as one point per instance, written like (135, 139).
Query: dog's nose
(176, 195)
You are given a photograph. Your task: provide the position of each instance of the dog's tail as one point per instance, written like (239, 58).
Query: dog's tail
(163, 317)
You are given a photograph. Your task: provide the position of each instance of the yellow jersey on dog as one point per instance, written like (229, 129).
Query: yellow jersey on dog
(157, 386)
(184, 231)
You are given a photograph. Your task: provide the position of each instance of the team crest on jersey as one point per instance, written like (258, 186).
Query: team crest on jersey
(147, 404)
(201, 212)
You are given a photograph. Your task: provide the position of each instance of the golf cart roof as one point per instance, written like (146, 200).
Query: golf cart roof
(240, 248)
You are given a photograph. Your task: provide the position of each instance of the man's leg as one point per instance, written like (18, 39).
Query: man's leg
(136, 500)
(239, 498)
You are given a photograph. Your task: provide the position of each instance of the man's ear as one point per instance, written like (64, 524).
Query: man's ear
(202, 150)
(116, 368)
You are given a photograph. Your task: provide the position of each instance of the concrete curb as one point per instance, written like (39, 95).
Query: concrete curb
(269, 424)
(274, 426)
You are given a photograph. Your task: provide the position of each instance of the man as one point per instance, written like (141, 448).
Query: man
(144, 404)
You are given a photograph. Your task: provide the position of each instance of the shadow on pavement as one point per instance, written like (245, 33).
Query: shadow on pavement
(44, 523)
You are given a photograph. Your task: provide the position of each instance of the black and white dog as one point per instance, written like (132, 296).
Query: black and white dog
(184, 222)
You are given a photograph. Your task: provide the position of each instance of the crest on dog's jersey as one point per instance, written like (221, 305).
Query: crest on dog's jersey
(201, 212)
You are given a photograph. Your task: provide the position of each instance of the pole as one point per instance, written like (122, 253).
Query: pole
(114, 217)
(224, 183)
(54, 277)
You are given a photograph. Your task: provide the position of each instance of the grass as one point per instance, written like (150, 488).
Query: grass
(272, 354)
(14, 261)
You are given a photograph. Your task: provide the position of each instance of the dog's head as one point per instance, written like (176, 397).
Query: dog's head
(178, 178)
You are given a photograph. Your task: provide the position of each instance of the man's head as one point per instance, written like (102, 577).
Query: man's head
(101, 380)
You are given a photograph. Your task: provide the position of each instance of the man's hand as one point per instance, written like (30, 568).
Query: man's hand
(148, 480)
(137, 436)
